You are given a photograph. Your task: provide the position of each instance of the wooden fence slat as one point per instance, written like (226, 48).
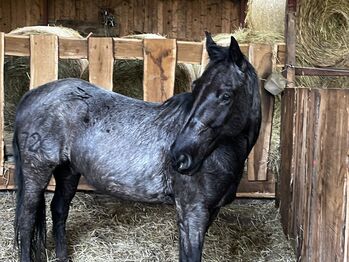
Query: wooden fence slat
(159, 69)
(72, 48)
(128, 48)
(43, 59)
(101, 61)
(188, 52)
(17, 45)
(260, 57)
(2, 60)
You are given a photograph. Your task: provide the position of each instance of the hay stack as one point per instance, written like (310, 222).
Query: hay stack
(323, 39)
(17, 69)
(128, 74)
(266, 16)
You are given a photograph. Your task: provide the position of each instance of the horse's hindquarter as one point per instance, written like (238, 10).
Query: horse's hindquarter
(119, 144)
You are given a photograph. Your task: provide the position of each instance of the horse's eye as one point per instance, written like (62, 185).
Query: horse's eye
(226, 97)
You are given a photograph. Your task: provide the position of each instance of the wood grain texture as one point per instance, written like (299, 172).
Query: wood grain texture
(159, 69)
(2, 60)
(260, 57)
(180, 19)
(101, 60)
(188, 52)
(315, 171)
(43, 59)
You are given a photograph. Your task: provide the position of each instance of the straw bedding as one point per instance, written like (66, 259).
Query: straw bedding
(104, 229)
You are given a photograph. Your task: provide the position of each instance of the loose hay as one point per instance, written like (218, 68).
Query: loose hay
(103, 229)
(322, 40)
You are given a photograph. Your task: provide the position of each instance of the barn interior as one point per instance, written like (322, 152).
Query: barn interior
(263, 223)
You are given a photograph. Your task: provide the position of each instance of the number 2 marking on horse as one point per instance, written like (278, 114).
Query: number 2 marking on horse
(33, 141)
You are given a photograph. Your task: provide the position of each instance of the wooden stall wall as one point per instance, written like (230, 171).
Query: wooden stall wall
(180, 19)
(19, 13)
(44, 51)
(314, 186)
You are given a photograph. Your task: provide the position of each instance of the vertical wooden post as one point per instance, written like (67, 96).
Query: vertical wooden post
(260, 57)
(101, 61)
(290, 32)
(43, 59)
(2, 60)
(159, 69)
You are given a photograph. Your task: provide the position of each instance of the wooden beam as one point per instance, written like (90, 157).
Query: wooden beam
(75, 48)
(260, 57)
(17, 45)
(290, 37)
(101, 61)
(316, 71)
(43, 59)
(2, 60)
(159, 69)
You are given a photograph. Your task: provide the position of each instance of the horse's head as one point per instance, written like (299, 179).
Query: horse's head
(223, 98)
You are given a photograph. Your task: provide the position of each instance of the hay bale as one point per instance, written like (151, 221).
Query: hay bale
(266, 16)
(128, 74)
(322, 40)
(246, 36)
(17, 69)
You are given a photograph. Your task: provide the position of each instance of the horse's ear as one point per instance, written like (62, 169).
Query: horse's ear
(235, 52)
(214, 51)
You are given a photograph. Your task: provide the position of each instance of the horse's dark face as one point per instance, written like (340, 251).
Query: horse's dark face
(220, 96)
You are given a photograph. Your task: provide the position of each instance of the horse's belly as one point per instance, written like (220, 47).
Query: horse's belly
(139, 178)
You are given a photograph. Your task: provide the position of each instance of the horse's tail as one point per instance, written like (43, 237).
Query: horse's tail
(38, 243)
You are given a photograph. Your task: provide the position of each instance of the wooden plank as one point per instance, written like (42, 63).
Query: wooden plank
(159, 69)
(128, 48)
(101, 62)
(2, 61)
(226, 12)
(291, 47)
(160, 17)
(73, 48)
(43, 59)
(315, 170)
(287, 135)
(189, 52)
(17, 45)
(261, 58)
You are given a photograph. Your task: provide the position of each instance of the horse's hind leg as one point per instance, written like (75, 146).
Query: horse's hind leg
(66, 184)
(30, 222)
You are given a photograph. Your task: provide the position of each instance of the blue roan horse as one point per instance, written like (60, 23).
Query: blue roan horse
(189, 151)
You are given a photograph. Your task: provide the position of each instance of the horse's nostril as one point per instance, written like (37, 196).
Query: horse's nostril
(184, 162)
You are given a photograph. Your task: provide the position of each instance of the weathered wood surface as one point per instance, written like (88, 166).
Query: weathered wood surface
(43, 59)
(181, 19)
(261, 58)
(159, 69)
(101, 60)
(314, 192)
(188, 52)
(2, 60)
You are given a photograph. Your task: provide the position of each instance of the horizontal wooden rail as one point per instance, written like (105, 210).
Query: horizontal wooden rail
(71, 48)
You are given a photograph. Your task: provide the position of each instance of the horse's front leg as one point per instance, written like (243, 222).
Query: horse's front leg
(193, 221)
